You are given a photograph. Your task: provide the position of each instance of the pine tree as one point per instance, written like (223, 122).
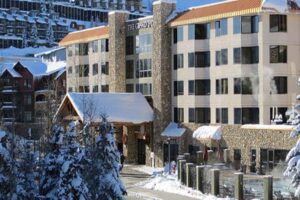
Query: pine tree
(6, 167)
(34, 35)
(106, 183)
(24, 39)
(52, 165)
(26, 187)
(71, 184)
(293, 157)
(50, 36)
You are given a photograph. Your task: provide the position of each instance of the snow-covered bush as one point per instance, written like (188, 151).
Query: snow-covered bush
(293, 157)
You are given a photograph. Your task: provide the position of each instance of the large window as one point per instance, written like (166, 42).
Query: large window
(199, 87)
(143, 43)
(246, 55)
(178, 88)
(83, 49)
(199, 59)
(94, 45)
(222, 86)
(178, 115)
(104, 45)
(246, 115)
(104, 88)
(70, 51)
(129, 88)
(70, 70)
(129, 45)
(222, 57)
(144, 68)
(244, 85)
(278, 23)
(105, 68)
(278, 54)
(27, 116)
(129, 69)
(95, 69)
(95, 88)
(178, 34)
(279, 85)
(199, 31)
(144, 88)
(27, 99)
(82, 70)
(222, 115)
(275, 112)
(199, 115)
(178, 61)
(221, 27)
(245, 24)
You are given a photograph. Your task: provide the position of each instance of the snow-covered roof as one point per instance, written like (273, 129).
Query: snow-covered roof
(29, 51)
(49, 51)
(173, 130)
(118, 107)
(12, 72)
(208, 132)
(267, 127)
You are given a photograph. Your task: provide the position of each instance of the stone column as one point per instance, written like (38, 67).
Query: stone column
(199, 178)
(215, 182)
(226, 156)
(188, 176)
(161, 74)
(239, 186)
(117, 50)
(268, 187)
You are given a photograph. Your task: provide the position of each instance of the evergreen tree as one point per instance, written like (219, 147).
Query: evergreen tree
(105, 183)
(50, 36)
(293, 157)
(6, 167)
(34, 35)
(24, 39)
(43, 8)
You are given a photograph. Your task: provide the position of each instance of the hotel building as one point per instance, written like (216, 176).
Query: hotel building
(229, 63)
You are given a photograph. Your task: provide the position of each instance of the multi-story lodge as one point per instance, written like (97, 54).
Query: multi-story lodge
(36, 23)
(30, 91)
(229, 63)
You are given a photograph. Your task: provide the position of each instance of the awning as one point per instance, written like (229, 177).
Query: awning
(173, 130)
(208, 132)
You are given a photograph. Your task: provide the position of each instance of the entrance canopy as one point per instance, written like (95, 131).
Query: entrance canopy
(173, 130)
(208, 132)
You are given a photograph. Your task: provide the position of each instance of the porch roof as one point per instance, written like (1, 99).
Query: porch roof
(208, 132)
(173, 130)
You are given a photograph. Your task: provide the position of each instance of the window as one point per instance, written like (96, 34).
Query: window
(143, 43)
(85, 89)
(199, 87)
(222, 57)
(246, 115)
(199, 115)
(70, 51)
(94, 46)
(95, 88)
(278, 23)
(221, 27)
(178, 115)
(70, 70)
(191, 58)
(129, 45)
(246, 55)
(104, 45)
(178, 88)
(144, 88)
(278, 111)
(105, 68)
(144, 68)
(104, 88)
(27, 83)
(199, 31)
(27, 116)
(222, 115)
(244, 85)
(178, 61)
(129, 69)
(202, 59)
(129, 88)
(83, 49)
(178, 34)
(279, 85)
(70, 89)
(246, 24)
(95, 69)
(83, 70)
(27, 99)
(278, 54)
(222, 86)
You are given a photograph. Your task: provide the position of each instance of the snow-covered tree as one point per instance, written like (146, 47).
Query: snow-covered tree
(293, 157)
(26, 185)
(50, 35)
(6, 167)
(105, 180)
(33, 35)
(24, 39)
(43, 8)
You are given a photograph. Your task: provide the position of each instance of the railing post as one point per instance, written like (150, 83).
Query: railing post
(226, 156)
(268, 188)
(187, 157)
(182, 163)
(188, 177)
(180, 157)
(200, 157)
(238, 186)
(199, 178)
(215, 182)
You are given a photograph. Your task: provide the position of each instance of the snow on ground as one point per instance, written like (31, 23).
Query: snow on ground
(169, 183)
(149, 170)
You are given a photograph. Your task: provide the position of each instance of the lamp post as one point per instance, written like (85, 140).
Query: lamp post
(169, 154)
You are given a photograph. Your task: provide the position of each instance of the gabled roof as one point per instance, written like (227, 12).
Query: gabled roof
(85, 35)
(12, 72)
(118, 107)
(217, 10)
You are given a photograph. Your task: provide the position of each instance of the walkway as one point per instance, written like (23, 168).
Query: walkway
(131, 178)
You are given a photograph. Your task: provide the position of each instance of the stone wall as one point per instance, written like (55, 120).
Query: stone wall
(161, 73)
